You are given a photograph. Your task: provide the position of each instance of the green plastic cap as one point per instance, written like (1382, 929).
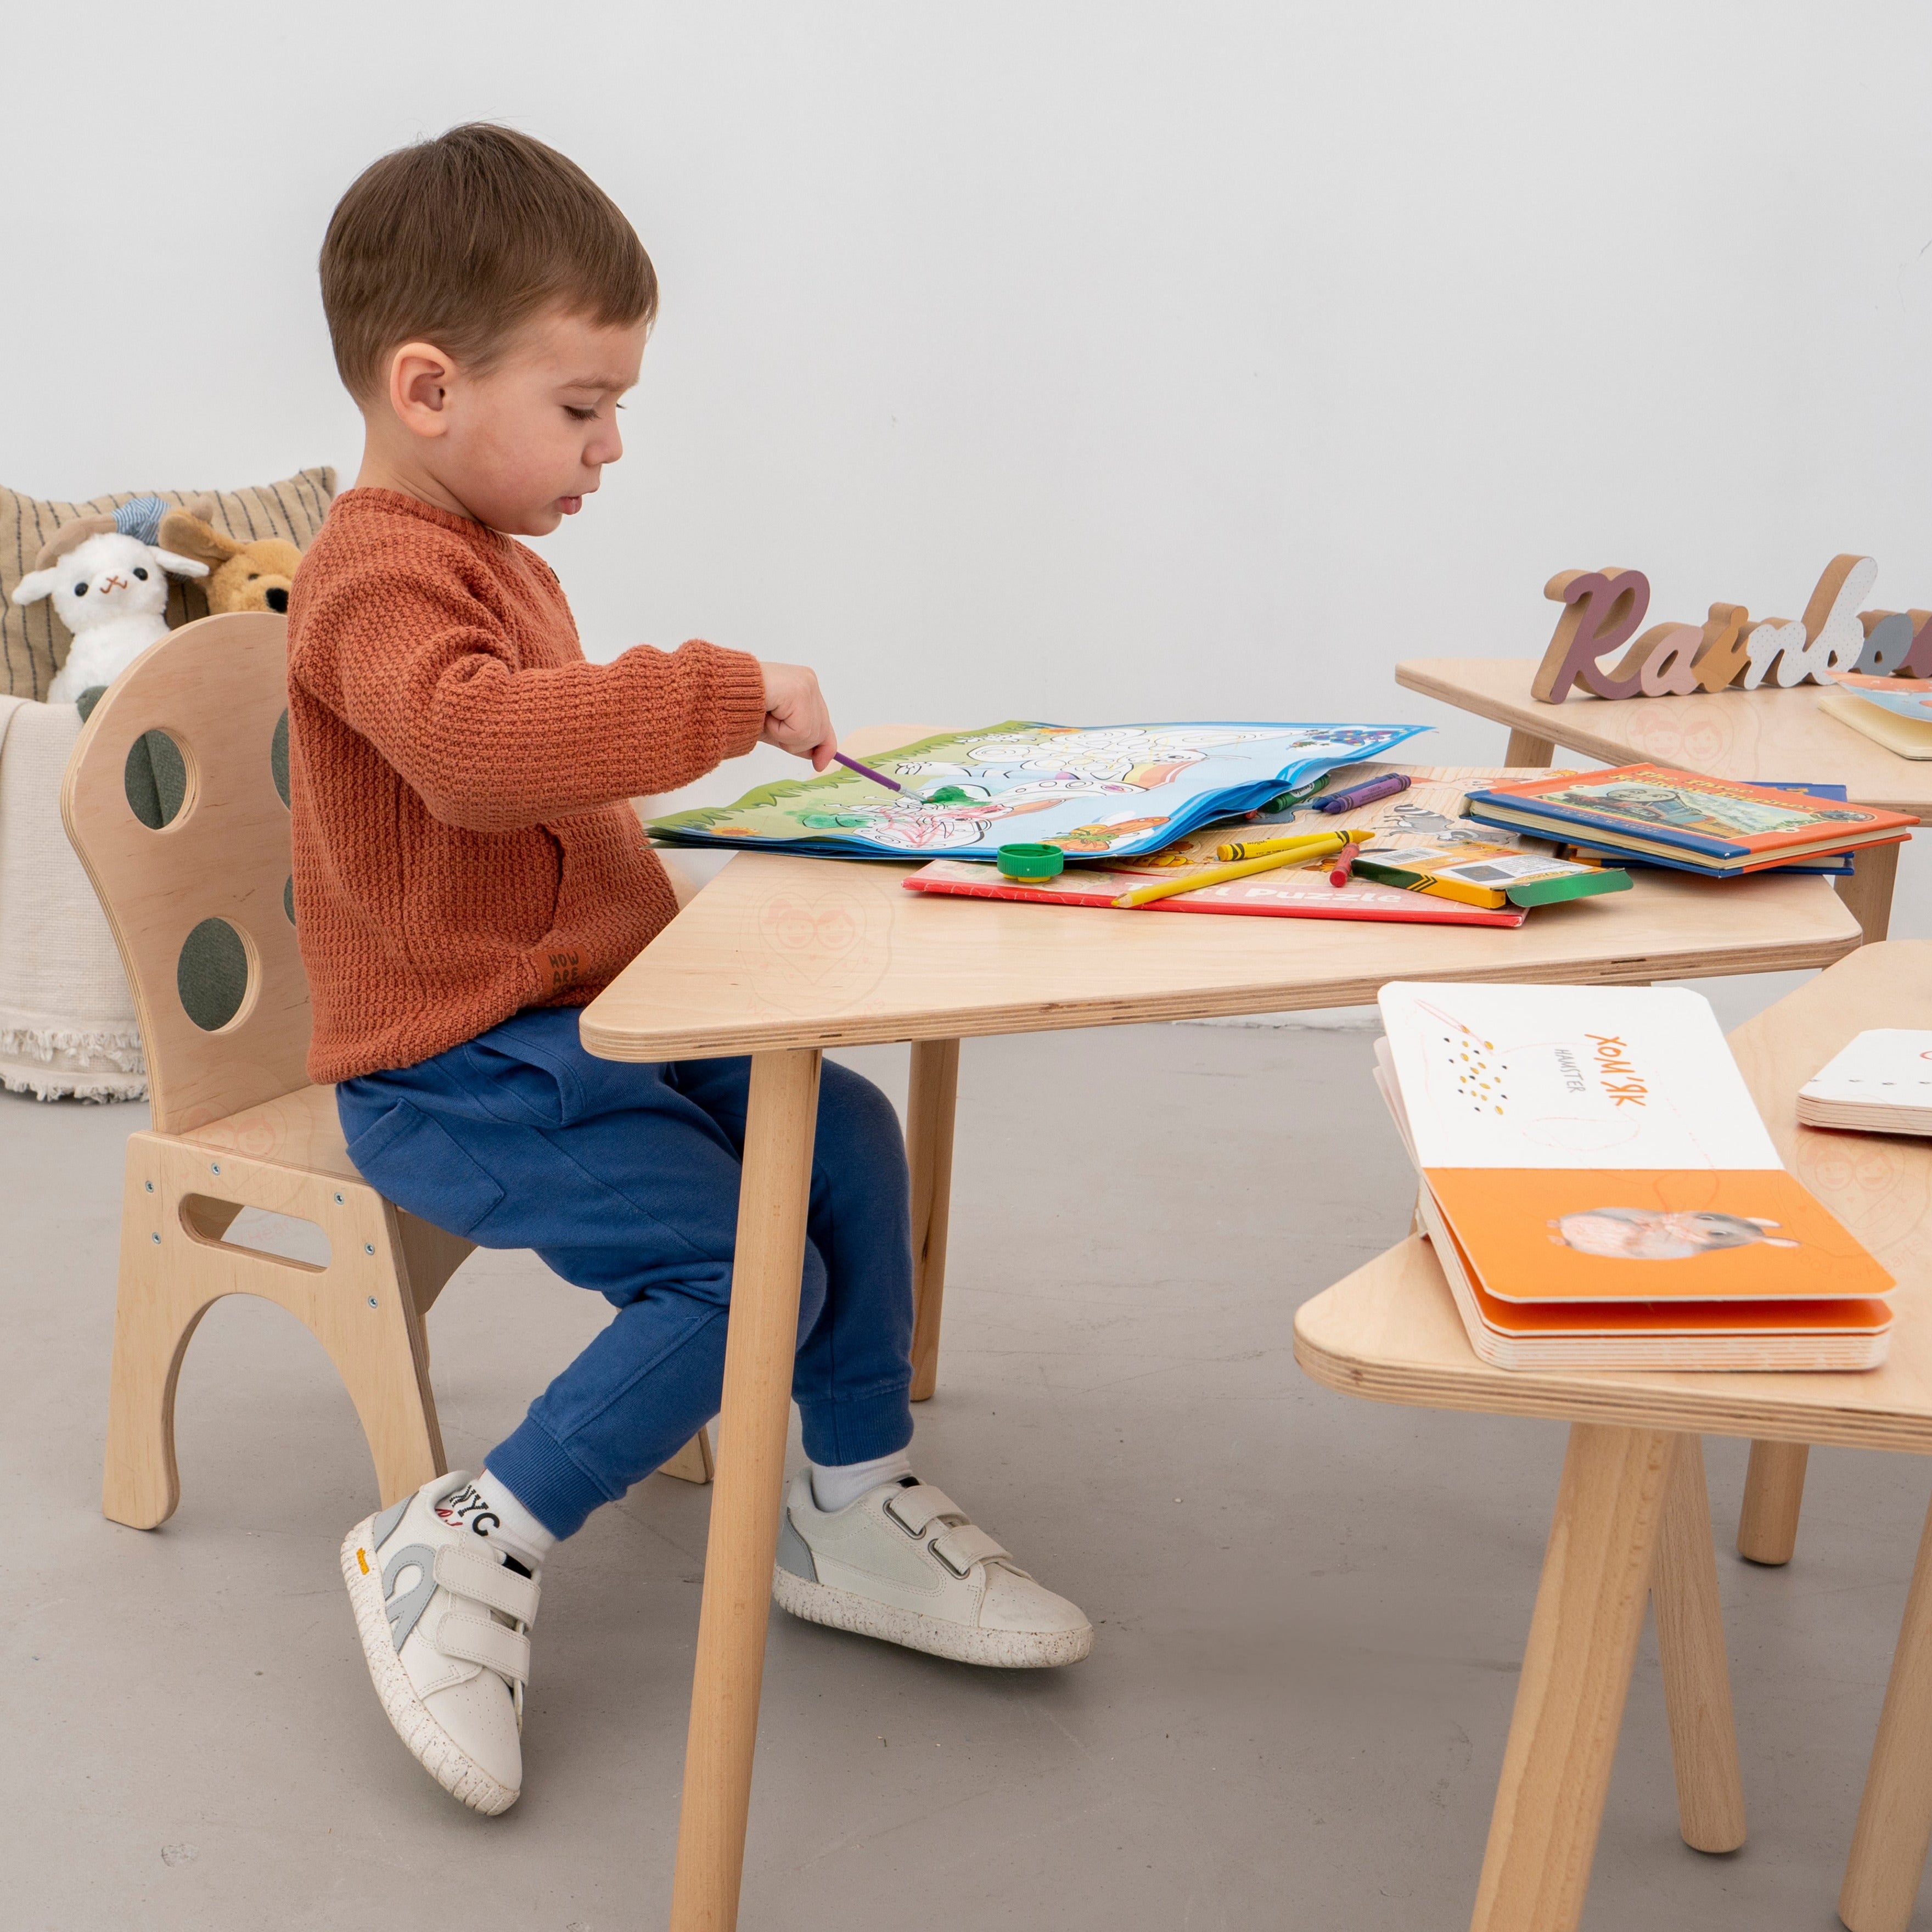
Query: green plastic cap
(1031, 862)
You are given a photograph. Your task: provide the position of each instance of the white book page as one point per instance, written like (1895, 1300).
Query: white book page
(1568, 1077)
(1888, 1066)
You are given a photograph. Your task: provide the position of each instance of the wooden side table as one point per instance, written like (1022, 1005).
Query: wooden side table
(1626, 1510)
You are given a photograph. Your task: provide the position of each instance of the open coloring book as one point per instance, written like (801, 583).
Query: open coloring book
(1095, 791)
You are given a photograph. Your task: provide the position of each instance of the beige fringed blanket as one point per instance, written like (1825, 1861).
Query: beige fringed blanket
(68, 1024)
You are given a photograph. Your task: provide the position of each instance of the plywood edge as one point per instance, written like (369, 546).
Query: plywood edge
(612, 1041)
(1323, 1354)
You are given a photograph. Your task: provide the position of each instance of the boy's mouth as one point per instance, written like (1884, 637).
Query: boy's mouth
(570, 506)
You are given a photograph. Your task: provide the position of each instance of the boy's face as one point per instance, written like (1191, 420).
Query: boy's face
(520, 444)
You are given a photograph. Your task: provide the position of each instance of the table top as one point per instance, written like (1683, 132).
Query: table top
(782, 952)
(1745, 736)
(1390, 1331)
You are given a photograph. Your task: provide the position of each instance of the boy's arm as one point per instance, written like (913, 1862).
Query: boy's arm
(491, 747)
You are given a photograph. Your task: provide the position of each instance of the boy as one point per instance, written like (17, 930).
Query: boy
(467, 873)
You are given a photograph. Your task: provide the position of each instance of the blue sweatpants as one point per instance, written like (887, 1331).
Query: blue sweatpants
(624, 1178)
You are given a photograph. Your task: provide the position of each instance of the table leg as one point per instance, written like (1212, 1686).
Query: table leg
(1894, 1824)
(1774, 1494)
(1696, 1673)
(929, 1110)
(760, 1342)
(1525, 749)
(1867, 892)
(1576, 1674)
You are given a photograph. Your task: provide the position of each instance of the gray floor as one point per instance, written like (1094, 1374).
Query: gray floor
(1310, 1609)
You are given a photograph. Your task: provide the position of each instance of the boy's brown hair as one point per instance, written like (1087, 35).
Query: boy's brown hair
(461, 240)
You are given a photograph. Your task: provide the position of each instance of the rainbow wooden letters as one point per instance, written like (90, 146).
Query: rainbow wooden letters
(1731, 650)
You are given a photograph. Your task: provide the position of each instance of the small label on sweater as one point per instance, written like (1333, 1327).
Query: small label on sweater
(566, 968)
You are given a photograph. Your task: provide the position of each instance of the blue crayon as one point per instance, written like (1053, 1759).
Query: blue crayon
(1387, 786)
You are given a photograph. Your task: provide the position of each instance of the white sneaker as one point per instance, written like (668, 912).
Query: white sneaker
(904, 1564)
(444, 1625)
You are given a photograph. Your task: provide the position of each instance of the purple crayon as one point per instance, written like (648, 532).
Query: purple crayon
(1369, 789)
(880, 778)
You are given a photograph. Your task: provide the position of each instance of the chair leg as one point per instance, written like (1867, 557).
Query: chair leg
(692, 1463)
(155, 1314)
(929, 1114)
(1696, 1674)
(1774, 1494)
(1895, 1825)
(1576, 1675)
(175, 1265)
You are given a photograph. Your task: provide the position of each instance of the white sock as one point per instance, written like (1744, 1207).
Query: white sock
(835, 1485)
(486, 1507)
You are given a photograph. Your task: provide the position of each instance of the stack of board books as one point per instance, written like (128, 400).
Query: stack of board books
(1894, 712)
(1880, 1083)
(1601, 1193)
(1712, 827)
(1426, 865)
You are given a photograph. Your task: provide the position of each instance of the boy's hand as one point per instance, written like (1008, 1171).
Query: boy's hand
(795, 717)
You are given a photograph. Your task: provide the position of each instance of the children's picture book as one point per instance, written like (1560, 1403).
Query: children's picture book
(1428, 812)
(1678, 818)
(1880, 1083)
(1906, 737)
(1832, 865)
(1599, 1144)
(1097, 791)
(1903, 697)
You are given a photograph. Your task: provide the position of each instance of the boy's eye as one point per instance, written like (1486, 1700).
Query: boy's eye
(140, 571)
(581, 415)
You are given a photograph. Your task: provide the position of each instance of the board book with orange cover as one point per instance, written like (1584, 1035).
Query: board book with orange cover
(1602, 1193)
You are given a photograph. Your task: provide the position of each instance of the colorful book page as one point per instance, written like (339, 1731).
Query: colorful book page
(1096, 791)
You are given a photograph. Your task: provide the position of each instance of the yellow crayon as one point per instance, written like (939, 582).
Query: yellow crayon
(1261, 848)
(1300, 852)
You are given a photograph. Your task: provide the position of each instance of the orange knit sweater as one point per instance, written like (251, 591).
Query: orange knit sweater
(457, 773)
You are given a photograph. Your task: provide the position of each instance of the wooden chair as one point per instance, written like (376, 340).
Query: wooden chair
(202, 908)
(1631, 1513)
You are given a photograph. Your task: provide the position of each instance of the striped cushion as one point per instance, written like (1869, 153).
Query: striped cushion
(34, 641)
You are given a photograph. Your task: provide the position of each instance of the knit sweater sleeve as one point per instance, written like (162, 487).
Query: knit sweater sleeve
(425, 671)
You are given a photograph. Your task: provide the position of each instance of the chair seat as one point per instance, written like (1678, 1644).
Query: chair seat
(300, 1130)
(1390, 1332)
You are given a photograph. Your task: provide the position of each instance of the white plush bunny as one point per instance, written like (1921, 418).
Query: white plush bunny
(107, 579)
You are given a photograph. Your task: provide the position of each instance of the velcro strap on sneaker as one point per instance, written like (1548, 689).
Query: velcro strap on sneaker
(469, 1572)
(914, 1510)
(962, 1547)
(478, 1640)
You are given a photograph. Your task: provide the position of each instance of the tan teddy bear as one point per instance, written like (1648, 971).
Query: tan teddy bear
(240, 576)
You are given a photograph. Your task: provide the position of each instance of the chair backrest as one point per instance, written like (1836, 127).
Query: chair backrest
(176, 798)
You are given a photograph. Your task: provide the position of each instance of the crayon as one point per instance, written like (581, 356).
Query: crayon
(1387, 786)
(1260, 848)
(1216, 875)
(866, 772)
(1344, 864)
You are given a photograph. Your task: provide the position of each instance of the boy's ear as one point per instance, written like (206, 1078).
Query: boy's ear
(187, 535)
(37, 585)
(180, 566)
(420, 376)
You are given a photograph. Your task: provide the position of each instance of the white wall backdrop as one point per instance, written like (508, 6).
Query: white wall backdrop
(1078, 362)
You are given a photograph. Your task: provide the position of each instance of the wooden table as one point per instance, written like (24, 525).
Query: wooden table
(1745, 735)
(781, 957)
(1390, 1332)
